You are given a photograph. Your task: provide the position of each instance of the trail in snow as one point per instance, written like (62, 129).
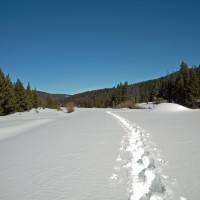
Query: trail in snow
(145, 177)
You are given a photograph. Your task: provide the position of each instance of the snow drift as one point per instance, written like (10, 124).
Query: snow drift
(170, 107)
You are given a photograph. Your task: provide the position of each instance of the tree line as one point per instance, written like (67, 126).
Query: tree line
(182, 87)
(14, 97)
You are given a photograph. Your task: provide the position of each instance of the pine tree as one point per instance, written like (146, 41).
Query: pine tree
(182, 81)
(29, 96)
(164, 92)
(193, 88)
(125, 92)
(21, 97)
(9, 97)
(179, 98)
(154, 92)
(2, 81)
(136, 93)
(186, 78)
(49, 102)
(118, 94)
(35, 99)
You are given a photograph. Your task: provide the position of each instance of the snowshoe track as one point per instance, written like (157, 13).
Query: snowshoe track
(145, 181)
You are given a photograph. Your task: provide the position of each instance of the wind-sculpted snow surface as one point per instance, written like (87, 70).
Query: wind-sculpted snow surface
(145, 178)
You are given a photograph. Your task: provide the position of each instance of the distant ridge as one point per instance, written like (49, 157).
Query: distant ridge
(43, 95)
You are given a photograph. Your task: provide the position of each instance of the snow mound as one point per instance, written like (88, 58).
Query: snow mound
(172, 107)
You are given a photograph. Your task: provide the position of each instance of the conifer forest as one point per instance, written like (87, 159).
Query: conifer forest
(14, 97)
(181, 87)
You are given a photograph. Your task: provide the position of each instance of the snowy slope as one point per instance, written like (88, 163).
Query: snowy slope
(101, 154)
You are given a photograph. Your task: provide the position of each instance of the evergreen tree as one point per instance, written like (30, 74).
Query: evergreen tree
(49, 102)
(2, 81)
(136, 93)
(186, 78)
(9, 97)
(182, 81)
(179, 98)
(35, 100)
(29, 96)
(119, 93)
(193, 88)
(154, 92)
(125, 92)
(21, 97)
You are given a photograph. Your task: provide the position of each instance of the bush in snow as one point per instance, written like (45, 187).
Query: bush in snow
(59, 108)
(127, 104)
(70, 107)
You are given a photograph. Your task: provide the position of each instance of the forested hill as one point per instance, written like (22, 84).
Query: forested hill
(43, 95)
(182, 87)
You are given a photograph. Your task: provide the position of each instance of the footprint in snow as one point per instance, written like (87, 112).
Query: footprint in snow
(114, 177)
(118, 159)
(162, 161)
(117, 169)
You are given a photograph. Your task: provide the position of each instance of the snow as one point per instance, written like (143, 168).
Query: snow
(147, 154)
(172, 135)
(170, 107)
(145, 184)
(70, 157)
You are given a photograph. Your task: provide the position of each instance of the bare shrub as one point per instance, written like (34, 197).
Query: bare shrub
(138, 106)
(126, 104)
(70, 107)
(59, 108)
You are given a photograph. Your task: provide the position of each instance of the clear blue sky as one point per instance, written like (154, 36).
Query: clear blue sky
(70, 46)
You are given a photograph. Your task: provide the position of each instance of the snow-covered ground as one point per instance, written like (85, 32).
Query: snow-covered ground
(101, 154)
